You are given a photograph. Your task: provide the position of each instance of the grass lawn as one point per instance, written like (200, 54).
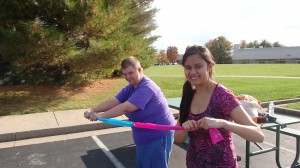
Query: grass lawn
(170, 79)
(291, 70)
(28, 99)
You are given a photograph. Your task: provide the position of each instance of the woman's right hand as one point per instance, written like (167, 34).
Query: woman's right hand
(207, 122)
(190, 125)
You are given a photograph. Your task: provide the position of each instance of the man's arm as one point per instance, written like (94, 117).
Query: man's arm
(119, 110)
(106, 105)
(116, 111)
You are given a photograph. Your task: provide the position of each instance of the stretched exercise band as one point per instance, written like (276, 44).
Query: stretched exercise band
(214, 133)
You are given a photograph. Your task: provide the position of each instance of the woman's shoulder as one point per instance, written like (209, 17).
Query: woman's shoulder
(222, 91)
(222, 88)
(225, 98)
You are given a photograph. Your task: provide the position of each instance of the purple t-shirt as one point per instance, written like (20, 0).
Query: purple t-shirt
(153, 108)
(201, 152)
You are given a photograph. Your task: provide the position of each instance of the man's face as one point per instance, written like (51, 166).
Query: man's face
(132, 75)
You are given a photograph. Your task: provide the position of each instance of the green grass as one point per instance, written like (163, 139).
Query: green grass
(293, 106)
(170, 79)
(264, 89)
(291, 70)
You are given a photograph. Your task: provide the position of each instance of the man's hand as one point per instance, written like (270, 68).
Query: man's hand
(87, 115)
(94, 116)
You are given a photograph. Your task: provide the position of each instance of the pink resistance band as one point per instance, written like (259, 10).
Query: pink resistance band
(214, 133)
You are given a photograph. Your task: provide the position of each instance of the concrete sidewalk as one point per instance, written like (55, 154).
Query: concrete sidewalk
(19, 127)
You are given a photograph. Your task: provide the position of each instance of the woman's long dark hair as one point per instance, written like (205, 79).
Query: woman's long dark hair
(186, 101)
(188, 91)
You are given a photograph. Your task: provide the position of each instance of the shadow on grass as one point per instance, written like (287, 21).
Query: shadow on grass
(24, 99)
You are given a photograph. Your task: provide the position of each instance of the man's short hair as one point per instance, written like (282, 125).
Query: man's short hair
(130, 61)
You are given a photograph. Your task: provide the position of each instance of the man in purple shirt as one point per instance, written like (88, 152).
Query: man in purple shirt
(141, 101)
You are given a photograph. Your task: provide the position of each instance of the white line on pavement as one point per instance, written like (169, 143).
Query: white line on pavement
(270, 144)
(106, 151)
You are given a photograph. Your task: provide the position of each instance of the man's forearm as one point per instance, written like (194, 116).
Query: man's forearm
(106, 105)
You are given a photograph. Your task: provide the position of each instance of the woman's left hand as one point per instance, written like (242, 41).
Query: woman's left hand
(208, 122)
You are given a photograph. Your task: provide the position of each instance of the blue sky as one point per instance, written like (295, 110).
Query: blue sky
(188, 22)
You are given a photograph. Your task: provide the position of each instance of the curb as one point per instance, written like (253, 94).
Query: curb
(280, 102)
(287, 111)
(53, 131)
(282, 110)
(15, 136)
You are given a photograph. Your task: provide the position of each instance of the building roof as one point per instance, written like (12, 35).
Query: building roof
(266, 53)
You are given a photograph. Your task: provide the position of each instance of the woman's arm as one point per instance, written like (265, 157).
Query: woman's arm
(180, 135)
(243, 125)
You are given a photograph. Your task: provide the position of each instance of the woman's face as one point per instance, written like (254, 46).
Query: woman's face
(196, 70)
(132, 75)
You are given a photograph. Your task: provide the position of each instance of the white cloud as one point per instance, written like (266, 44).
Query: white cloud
(188, 22)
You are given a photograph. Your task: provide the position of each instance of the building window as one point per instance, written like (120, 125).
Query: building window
(280, 61)
(244, 61)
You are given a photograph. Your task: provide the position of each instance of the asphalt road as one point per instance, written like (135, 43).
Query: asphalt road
(81, 152)
(118, 150)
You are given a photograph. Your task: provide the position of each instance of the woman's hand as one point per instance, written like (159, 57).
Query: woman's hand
(208, 122)
(190, 125)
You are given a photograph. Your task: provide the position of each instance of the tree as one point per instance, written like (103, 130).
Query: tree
(220, 48)
(172, 53)
(264, 43)
(243, 44)
(34, 38)
(54, 41)
(277, 44)
(162, 56)
(253, 44)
